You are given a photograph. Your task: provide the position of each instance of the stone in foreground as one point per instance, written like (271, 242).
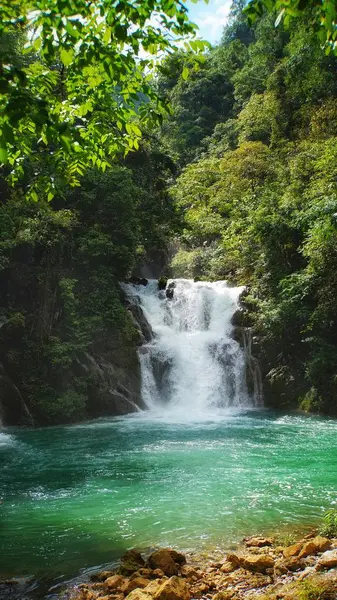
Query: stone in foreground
(328, 560)
(162, 559)
(258, 563)
(174, 588)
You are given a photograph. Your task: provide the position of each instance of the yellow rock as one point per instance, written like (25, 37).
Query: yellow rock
(174, 588)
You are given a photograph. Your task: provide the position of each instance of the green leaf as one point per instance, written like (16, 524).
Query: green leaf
(67, 56)
(3, 155)
(185, 73)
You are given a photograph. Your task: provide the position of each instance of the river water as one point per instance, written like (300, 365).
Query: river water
(74, 497)
(203, 467)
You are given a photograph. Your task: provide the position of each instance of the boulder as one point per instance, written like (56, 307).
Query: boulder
(115, 582)
(293, 564)
(174, 588)
(138, 280)
(170, 290)
(317, 544)
(131, 561)
(178, 557)
(328, 560)
(258, 563)
(292, 550)
(162, 559)
(258, 542)
(162, 283)
(133, 584)
(153, 587)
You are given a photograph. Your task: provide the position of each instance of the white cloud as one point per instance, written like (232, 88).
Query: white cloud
(211, 18)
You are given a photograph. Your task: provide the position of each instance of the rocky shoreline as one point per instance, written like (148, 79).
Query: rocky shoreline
(259, 569)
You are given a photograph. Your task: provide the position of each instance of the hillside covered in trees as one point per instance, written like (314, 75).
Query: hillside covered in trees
(239, 176)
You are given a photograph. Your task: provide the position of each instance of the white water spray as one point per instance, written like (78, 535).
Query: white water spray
(192, 365)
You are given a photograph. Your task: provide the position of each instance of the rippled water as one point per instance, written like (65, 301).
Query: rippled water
(74, 497)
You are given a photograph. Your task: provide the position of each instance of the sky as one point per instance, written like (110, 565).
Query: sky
(210, 17)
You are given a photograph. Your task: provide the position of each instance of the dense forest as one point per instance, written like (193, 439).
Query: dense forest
(234, 175)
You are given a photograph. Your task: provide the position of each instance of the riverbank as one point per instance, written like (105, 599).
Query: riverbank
(260, 568)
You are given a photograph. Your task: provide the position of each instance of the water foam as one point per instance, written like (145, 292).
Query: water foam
(192, 367)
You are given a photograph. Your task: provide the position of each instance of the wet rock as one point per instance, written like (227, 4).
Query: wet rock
(102, 575)
(115, 582)
(258, 542)
(138, 281)
(131, 561)
(133, 584)
(162, 559)
(178, 557)
(162, 283)
(174, 588)
(328, 560)
(252, 562)
(292, 550)
(170, 290)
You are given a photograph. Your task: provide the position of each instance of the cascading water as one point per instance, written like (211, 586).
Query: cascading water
(192, 365)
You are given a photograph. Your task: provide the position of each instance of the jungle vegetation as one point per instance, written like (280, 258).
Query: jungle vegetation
(109, 155)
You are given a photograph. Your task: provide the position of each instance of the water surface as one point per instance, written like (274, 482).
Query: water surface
(74, 497)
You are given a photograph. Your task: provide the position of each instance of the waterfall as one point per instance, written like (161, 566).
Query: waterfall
(192, 364)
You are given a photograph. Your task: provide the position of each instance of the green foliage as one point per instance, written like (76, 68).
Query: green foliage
(322, 15)
(76, 83)
(329, 527)
(260, 204)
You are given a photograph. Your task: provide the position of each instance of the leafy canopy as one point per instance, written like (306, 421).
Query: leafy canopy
(323, 16)
(76, 82)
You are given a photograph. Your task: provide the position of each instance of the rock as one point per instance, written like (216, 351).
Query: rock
(178, 557)
(225, 595)
(139, 595)
(190, 573)
(162, 283)
(252, 562)
(158, 573)
(258, 542)
(143, 572)
(292, 550)
(162, 559)
(115, 582)
(317, 544)
(170, 290)
(227, 567)
(138, 281)
(322, 543)
(289, 564)
(174, 588)
(154, 586)
(133, 584)
(328, 560)
(102, 575)
(131, 561)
